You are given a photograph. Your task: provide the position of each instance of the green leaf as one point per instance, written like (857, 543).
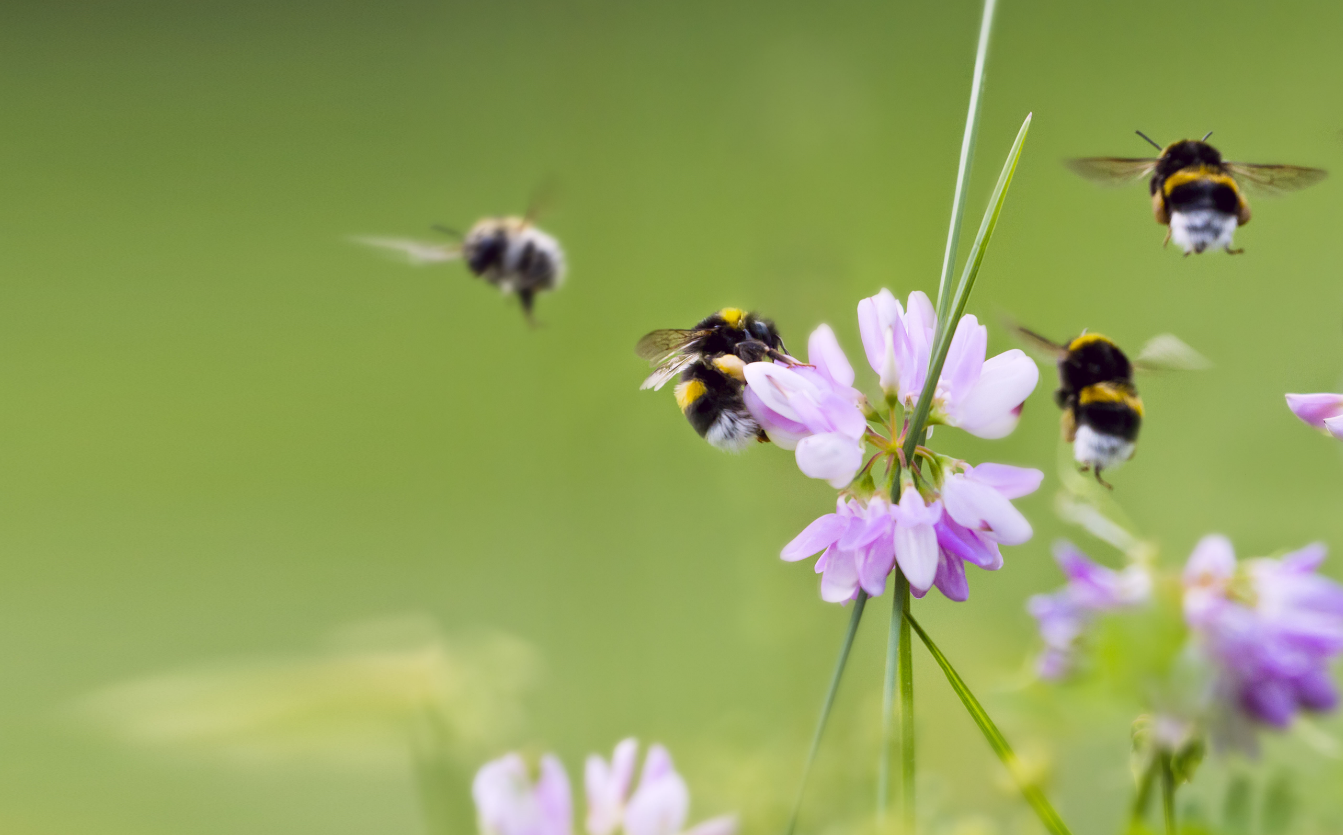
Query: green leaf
(1279, 805)
(946, 323)
(1031, 792)
(829, 703)
(1186, 760)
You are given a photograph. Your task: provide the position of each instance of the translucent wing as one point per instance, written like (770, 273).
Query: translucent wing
(666, 349)
(416, 252)
(1275, 179)
(1167, 352)
(1113, 171)
(1039, 343)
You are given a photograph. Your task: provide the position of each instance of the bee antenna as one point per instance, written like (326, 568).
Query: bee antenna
(447, 230)
(1205, 136)
(1149, 139)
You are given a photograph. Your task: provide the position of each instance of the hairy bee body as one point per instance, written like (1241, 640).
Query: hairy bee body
(1102, 410)
(1193, 193)
(709, 361)
(515, 256)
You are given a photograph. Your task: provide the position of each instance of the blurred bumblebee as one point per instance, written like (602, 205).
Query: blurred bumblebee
(710, 359)
(1195, 193)
(510, 253)
(1102, 411)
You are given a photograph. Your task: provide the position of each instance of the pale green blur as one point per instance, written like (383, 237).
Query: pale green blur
(226, 432)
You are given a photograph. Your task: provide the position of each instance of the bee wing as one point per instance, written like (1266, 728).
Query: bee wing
(1039, 343)
(666, 350)
(1275, 179)
(416, 252)
(1112, 171)
(667, 372)
(1167, 352)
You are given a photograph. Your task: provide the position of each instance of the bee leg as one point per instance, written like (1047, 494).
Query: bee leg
(1166, 242)
(1102, 482)
(527, 297)
(1230, 251)
(761, 437)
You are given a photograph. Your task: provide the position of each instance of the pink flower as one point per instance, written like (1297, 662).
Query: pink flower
(812, 410)
(982, 397)
(1322, 411)
(659, 805)
(980, 500)
(858, 546)
(507, 803)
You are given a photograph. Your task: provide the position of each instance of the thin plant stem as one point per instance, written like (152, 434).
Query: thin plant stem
(829, 703)
(967, 156)
(888, 687)
(1168, 793)
(1143, 795)
(1031, 792)
(906, 705)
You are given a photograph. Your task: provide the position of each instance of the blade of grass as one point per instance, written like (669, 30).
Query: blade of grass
(1167, 793)
(1029, 790)
(829, 703)
(898, 659)
(967, 156)
(945, 329)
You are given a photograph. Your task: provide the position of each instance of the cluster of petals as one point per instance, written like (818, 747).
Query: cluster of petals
(931, 540)
(1063, 616)
(1270, 627)
(1322, 411)
(981, 396)
(509, 803)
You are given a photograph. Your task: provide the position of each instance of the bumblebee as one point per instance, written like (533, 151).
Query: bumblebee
(510, 253)
(711, 359)
(1195, 193)
(1102, 411)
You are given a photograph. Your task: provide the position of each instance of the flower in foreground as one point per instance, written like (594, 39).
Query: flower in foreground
(1322, 411)
(1270, 626)
(1092, 588)
(508, 804)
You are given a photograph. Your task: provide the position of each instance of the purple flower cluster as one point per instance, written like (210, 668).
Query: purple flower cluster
(959, 513)
(1270, 626)
(1092, 588)
(508, 803)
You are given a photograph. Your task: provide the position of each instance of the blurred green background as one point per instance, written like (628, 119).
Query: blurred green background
(228, 432)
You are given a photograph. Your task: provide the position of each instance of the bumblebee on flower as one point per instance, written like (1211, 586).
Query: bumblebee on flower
(946, 511)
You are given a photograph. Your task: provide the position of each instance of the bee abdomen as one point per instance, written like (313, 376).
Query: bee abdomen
(713, 404)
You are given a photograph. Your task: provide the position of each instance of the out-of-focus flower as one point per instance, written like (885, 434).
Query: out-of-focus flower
(1063, 616)
(812, 409)
(982, 397)
(1322, 411)
(659, 805)
(1270, 626)
(508, 803)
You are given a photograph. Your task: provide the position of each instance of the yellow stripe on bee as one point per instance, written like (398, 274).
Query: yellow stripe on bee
(1088, 339)
(1191, 175)
(733, 316)
(731, 365)
(688, 392)
(1111, 393)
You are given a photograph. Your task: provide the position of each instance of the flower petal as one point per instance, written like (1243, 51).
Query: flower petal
(992, 407)
(831, 456)
(950, 579)
(823, 351)
(721, 825)
(1315, 409)
(965, 358)
(815, 537)
(917, 553)
(839, 583)
(1011, 482)
(661, 803)
(984, 510)
(1334, 426)
(553, 797)
(1212, 562)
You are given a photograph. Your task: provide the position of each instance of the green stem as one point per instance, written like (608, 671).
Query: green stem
(967, 156)
(888, 711)
(906, 703)
(829, 703)
(1143, 796)
(997, 742)
(1168, 793)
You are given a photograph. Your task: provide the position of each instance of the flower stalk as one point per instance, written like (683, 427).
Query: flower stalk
(1167, 792)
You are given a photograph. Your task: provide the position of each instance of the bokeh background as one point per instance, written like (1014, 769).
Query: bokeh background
(228, 433)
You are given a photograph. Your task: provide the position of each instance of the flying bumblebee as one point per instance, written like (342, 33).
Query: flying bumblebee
(1102, 411)
(510, 253)
(1195, 193)
(711, 359)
